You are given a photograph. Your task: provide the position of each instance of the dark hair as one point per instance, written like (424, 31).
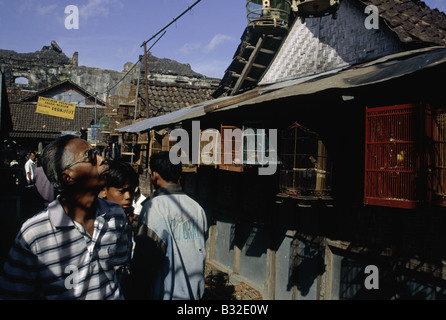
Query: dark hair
(55, 158)
(121, 172)
(160, 162)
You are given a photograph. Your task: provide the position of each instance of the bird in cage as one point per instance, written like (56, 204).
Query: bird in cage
(313, 161)
(400, 157)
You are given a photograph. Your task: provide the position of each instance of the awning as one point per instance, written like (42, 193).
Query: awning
(190, 112)
(383, 69)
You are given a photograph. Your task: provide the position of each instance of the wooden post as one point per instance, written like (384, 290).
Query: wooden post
(294, 257)
(326, 279)
(146, 81)
(321, 168)
(270, 281)
(211, 243)
(137, 91)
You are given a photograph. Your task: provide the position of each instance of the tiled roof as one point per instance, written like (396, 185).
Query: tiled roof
(28, 123)
(15, 95)
(413, 21)
(165, 97)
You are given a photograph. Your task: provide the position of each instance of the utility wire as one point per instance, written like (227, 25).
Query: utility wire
(145, 42)
(139, 60)
(175, 19)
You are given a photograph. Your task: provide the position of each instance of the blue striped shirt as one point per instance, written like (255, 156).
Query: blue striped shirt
(53, 257)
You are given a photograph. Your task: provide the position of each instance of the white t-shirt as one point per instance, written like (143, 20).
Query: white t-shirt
(137, 204)
(29, 168)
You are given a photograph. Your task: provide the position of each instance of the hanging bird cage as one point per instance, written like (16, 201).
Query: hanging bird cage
(315, 8)
(268, 13)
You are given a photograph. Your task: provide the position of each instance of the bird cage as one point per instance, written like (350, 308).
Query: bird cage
(315, 8)
(439, 163)
(305, 170)
(392, 160)
(268, 13)
(209, 147)
(231, 149)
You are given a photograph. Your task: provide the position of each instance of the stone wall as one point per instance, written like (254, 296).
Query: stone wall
(50, 65)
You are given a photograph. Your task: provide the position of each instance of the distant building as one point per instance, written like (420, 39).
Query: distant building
(31, 129)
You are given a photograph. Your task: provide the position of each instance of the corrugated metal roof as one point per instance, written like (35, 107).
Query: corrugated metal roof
(169, 118)
(383, 69)
(165, 119)
(380, 70)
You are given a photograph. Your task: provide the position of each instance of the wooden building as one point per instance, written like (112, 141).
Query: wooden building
(128, 107)
(355, 116)
(31, 129)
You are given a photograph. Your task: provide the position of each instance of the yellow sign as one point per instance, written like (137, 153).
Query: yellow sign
(56, 108)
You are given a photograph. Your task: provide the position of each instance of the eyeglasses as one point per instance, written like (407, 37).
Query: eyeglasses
(90, 154)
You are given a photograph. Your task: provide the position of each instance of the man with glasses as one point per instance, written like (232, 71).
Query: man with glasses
(71, 249)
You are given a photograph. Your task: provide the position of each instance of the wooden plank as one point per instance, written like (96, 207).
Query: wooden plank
(248, 66)
(236, 75)
(231, 101)
(255, 65)
(267, 51)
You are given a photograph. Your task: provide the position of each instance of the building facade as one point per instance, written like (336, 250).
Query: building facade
(355, 206)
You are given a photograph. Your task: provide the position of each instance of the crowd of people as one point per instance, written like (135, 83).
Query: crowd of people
(99, 237)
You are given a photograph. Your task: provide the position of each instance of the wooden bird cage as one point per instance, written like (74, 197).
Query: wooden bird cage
(160, 141)
(209, 147)
(394, 159)
(268, 13)
(232, 150)
(305, 170)
(439, 155)
(315, 8)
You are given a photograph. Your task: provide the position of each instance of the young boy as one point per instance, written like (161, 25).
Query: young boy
(121, 184)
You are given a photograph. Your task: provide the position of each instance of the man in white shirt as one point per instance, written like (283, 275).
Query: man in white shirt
(30, 166)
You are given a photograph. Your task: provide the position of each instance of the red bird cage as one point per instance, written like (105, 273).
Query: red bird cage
(392, 163)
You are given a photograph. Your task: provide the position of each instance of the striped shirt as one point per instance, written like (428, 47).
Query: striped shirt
(53, 257)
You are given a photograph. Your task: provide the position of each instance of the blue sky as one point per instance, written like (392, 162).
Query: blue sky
(111, 31)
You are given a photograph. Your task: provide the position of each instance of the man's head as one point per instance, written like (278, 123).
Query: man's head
(31, 155)
(71, 164)
(122, 181)
(163, 170)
